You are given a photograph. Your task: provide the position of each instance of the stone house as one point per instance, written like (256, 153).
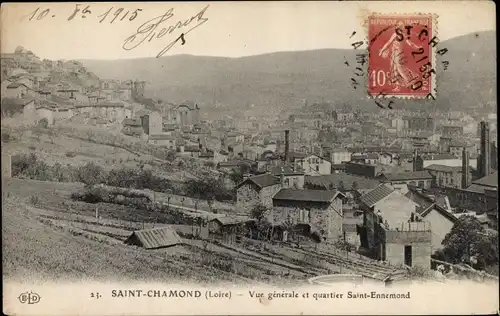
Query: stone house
(321, 210)
(446, 176)
(234, 138)
(26, 106)
(421, 179)
(256, 190)
(111, 111)
(45, 111)
(16, 90)
(446, 159)
(393, 206)
(190, 150)
(165, 140)
(338, 156)
(314, 165)
(385, 158)
(64, 113)
(28, 81)
(289, 178)
(392, 229)
(440, 219)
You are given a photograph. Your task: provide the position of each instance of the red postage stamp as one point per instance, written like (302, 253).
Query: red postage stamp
(401, 55)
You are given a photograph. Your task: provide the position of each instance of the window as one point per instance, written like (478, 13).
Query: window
(287, 181)
(317, 168)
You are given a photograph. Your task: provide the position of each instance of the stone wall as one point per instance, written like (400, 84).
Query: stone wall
(266, 195)
(420, 242)
(327, 218)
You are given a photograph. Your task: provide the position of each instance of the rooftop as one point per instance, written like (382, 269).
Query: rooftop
(307, 195)
(411, 175)
(161, 137)
(488, 181)
(132, 122)
(16, 85)
(284, 170)
(376, 195)
(443, 168)
(262, 181)
(346, 179)
(20, 102)
(155, 238)
(232, 220)
(438, 156)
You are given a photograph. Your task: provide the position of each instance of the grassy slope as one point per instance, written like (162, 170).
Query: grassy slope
(49, 248)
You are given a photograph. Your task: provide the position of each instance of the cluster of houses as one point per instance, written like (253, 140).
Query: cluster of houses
(58, 90)
(400, 217)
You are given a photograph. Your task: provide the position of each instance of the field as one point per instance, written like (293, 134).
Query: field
(47, 235)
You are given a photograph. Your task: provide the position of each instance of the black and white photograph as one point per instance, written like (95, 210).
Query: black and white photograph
(244, 157)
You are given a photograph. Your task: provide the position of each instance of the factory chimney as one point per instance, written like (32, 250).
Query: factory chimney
(465, 168)
(485, 150)
(287, 145)
(415, 155)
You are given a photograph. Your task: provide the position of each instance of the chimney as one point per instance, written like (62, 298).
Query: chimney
(287, 145)
(465, 168)
(494, 156)
(415, 155)
(485, 149)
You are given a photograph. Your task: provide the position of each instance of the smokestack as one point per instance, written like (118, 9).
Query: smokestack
(287, 145)
(485, 149)
(494, 156)
(415, 155)
(465, 168)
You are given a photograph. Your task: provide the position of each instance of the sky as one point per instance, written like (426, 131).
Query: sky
(228, 29)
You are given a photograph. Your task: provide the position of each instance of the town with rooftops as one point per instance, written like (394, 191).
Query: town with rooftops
(315, 192)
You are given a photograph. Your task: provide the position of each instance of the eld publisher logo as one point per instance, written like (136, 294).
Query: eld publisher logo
(30, 298)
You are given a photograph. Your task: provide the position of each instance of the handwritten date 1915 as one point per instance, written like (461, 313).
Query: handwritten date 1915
(80, 11)
(148, 30)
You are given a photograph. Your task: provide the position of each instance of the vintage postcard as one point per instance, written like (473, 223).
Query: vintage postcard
(264, 158)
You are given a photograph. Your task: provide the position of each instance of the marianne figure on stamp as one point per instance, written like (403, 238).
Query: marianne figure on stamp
(400, 75)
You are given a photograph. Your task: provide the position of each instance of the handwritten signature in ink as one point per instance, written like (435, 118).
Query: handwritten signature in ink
(148, 30)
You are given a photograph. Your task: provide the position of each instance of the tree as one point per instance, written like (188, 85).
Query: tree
(468, 240)
(236, 175)
(262, 224)
(340, 186)
(258, 212)
(354, 186)
(90, 174)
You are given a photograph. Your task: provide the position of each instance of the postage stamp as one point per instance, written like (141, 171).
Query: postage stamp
(401, 55)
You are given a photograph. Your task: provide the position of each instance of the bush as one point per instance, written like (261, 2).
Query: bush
(137, 179)
(90, 174)
(70, 154)
(30, 167)
(91, 195)
(43, 123)
(34, 200)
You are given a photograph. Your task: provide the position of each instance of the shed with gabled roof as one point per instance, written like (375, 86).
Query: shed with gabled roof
(154, 238)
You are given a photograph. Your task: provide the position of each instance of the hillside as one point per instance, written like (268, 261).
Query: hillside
(284, 79)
